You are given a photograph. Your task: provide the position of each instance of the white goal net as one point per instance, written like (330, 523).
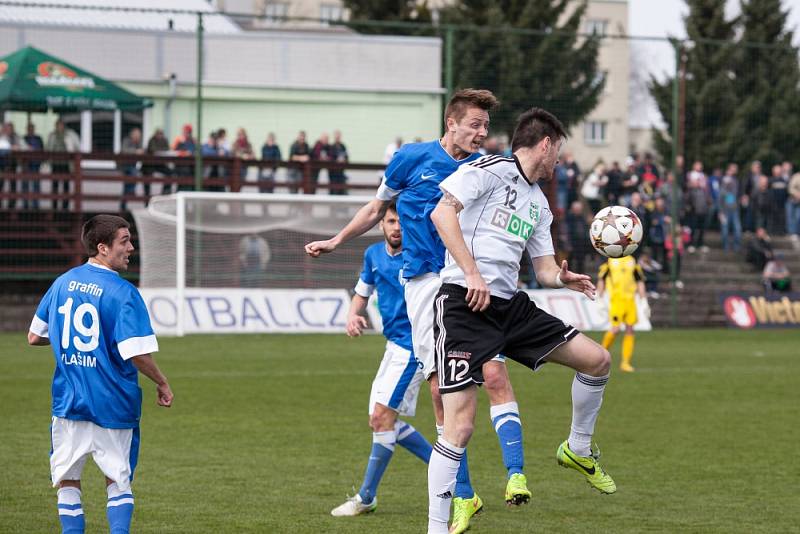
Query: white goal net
(229, 242)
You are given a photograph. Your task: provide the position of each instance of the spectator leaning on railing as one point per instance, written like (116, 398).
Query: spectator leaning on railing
(299, 152)
(242, 148)
(158, 145)
(270, 152)
(35, 143)
(10, 141)
(321, 152)
(132, 144)
(61, 139)
(338, 154)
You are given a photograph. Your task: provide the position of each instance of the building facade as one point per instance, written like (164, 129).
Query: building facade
(602, 136)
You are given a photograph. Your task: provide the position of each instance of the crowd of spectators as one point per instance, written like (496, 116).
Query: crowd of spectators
(754, 203)
(733, 202)
(217, 144)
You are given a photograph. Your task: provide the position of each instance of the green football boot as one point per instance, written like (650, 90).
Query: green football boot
(517, 491)
(588, 466)
(463, 510)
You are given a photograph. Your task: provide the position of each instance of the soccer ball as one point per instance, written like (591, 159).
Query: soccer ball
(615, 232)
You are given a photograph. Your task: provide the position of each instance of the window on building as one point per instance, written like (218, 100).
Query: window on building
(600, 77)
(331, 12)
(597, 26)
(276, 11)
(595, 132)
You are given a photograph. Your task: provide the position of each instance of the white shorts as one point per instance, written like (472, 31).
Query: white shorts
(397, 382)
(114, 450)
(420, 293)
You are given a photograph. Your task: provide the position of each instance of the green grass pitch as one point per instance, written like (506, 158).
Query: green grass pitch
(268, 433)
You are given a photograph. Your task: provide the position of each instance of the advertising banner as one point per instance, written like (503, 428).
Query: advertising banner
(755, 310)
(229, 311)
(222, 310)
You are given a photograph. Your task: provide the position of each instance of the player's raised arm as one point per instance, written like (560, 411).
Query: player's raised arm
(364, 219)
(445, 218)
(148, 367)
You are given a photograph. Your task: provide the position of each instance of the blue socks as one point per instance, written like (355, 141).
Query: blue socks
(506, 422)
(119, 509)
(413, 441)
(70, 511)
(382, 450)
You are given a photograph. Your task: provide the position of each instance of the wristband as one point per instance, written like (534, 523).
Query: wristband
(559, 283)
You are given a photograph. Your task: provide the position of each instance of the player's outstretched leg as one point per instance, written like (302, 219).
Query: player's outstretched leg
(70, 510)
(410, 439)
(119, 509)
(592, 363)
(504, 412)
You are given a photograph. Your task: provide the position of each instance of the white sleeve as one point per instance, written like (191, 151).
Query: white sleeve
(39, 327)
(540, 243)
(136, 346)
(364, 289)
(467, 184)
(385, 192)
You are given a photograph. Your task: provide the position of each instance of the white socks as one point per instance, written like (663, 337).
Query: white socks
(587, 397)
(442, 470)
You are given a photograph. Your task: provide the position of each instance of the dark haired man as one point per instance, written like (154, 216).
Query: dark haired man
(101, 335)
(496, 205)
(413, 178)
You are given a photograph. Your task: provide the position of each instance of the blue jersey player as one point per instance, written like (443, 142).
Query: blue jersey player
(412, 178)
(100, 332)
(396, 385)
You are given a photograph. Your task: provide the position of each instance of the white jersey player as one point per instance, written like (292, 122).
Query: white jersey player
(490, 212)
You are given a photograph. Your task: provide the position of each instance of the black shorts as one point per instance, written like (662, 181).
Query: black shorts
(464, 340)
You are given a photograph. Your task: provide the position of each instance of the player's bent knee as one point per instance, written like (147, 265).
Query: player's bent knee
(496, 383)
(463, 433)
(602, 363)
(382, 418)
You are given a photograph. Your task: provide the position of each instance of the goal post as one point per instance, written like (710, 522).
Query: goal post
(195, 246)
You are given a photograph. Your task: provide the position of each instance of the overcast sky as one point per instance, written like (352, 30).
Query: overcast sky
(659, 18)
(662, 18)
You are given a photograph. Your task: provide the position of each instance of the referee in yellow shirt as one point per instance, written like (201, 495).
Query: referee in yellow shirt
(622, 278)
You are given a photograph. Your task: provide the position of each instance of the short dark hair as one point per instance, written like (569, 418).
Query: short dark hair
(392, 206)
(533, 126)
(467, 98)
(101, 229)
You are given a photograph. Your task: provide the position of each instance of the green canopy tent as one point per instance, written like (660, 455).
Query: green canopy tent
(33, 81)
